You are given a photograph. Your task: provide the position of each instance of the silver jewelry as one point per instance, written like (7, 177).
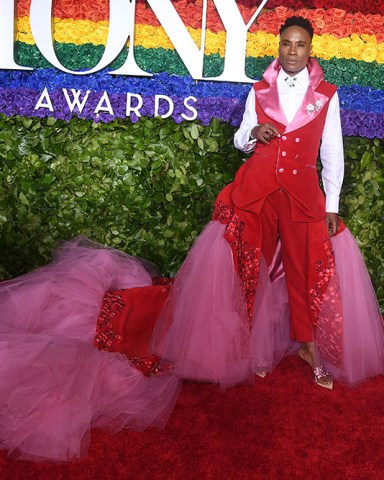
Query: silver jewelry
(291, 81)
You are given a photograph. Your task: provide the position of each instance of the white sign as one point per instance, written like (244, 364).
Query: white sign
(134, 103)
(122, 29)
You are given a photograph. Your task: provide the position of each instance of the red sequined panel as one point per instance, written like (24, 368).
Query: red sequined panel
(327, 307)
(110, 340)
(247, 257)
(167, 282)
(150, 365)
(325, 270)
(112, 306)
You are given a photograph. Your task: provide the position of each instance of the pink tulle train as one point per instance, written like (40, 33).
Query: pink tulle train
(203, 328)
(55, 385)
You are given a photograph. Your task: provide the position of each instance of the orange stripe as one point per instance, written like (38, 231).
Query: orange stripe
(332, 21)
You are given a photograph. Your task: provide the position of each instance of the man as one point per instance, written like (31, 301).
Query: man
(233, 311)
(287, 115)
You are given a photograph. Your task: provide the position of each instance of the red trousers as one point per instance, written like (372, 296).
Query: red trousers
(276, 222)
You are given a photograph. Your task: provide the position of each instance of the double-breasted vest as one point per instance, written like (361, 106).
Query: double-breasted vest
(288, 161)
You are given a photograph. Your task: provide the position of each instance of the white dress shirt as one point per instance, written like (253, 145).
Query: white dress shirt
(331, 149)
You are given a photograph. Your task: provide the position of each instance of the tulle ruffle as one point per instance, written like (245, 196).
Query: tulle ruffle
(56, 385)
(203, 328)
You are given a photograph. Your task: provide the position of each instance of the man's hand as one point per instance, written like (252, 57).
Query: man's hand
(332, 222)
(264, 132)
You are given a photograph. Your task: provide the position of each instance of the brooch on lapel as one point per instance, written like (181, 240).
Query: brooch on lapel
(291, 81)
(311, 108)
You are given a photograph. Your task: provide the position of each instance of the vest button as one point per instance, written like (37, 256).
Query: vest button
(297, 139)
(294, 171)
(284, 154)
(281, 170)
(284, 137)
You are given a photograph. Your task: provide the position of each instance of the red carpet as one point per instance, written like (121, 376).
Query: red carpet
(282, 428)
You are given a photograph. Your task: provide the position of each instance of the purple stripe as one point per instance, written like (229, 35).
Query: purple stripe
(22, 102)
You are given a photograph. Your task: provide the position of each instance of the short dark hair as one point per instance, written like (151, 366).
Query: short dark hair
(298, 22)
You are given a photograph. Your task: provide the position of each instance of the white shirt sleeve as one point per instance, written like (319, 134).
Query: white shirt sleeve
(332, 156)
(242, 140)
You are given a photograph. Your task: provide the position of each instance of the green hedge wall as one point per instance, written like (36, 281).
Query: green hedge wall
(146, 188)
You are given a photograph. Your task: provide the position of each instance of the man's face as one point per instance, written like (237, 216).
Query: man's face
(294, 49)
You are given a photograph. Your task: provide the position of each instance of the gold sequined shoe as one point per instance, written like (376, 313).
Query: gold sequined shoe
(322, 377)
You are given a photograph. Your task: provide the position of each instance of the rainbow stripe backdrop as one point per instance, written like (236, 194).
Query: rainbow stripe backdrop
(349, 43)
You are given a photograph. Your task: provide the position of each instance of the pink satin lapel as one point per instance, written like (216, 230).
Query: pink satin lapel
(313, 102)
(268, 98)
(269, 101)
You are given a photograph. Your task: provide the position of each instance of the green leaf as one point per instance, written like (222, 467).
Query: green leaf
(23, 199)
(27, 122)
(213, 146)
(156, 164)
(366, 159)
(194, 132)
(367, 176)
(51, 121)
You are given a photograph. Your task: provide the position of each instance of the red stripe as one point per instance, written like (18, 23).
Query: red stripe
(332, 21)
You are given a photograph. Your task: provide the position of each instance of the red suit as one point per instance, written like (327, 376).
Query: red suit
(276, 193)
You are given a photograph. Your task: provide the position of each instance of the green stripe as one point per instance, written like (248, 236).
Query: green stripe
(84, 57)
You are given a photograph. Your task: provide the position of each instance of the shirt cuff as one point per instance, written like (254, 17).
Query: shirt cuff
(248, 147)
(332, 203)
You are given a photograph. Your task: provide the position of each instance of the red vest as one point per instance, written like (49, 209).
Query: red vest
(288, 161)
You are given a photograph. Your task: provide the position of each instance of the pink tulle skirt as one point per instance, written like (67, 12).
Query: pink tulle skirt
(204, 329)
(362, 335)
(55, 385)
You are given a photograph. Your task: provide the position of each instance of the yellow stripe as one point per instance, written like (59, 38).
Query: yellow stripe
(259, 44)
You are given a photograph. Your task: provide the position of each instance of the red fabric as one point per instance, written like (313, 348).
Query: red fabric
(276, 220)
(129, 327)
(136, 322)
